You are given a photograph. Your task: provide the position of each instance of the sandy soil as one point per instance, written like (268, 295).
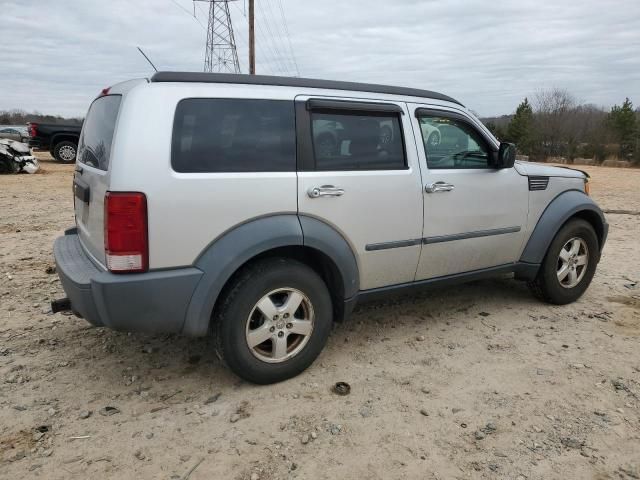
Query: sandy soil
(475, 381)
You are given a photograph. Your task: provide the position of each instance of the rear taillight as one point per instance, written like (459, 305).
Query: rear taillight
(33, 129)
(126, 242)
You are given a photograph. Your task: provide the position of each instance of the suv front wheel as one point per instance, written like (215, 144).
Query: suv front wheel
(273, 320)
(569, 264)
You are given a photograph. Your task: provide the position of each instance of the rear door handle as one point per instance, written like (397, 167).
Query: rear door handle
(438, 187)
(325, 191)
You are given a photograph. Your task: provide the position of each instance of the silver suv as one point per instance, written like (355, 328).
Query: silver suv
(205, 203)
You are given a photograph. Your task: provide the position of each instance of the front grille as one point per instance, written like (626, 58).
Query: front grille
(538, 183)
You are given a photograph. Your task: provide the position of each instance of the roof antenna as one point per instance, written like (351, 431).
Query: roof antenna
(147, 58)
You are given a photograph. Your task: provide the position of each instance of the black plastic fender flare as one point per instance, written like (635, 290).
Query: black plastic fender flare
(559, 210)
(225, 255)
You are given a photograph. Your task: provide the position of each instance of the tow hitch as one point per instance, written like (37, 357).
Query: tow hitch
(61, 305)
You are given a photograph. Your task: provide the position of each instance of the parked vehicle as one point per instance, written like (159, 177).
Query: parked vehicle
(430, 131)
(204, 208)
(60, 140)
(14, 133)
(16, 157)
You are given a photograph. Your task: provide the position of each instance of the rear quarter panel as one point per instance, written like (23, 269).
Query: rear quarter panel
(188, 211)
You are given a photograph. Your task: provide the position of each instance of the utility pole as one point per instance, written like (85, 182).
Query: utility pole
(221, 54)
(252, 39)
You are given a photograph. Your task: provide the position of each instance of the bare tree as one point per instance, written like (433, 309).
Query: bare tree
(555, 112)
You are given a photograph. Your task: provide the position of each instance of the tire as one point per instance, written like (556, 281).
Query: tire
(65, 152)
(547, 285)
(272, 283)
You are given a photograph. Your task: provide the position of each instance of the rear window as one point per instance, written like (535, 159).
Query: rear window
(234, 135)
(94, 147)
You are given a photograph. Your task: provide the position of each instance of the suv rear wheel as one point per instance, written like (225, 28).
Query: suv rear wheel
(569, 265)
(65, 152)
(273, 321)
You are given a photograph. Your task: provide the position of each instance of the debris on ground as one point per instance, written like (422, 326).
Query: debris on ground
(341, 388)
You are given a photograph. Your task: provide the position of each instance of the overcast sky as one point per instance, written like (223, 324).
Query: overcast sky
(55, 56)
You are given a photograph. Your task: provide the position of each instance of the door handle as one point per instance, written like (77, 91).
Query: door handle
(325, 191)
(438, 187)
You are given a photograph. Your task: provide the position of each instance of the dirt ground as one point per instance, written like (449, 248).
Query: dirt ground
(473, 381)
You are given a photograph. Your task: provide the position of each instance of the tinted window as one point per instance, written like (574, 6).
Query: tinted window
(353, 141)
(94, 147)
(451, 143)
(218, 135)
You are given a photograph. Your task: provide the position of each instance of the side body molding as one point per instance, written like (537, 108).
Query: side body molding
(227, 253)
(559, 210)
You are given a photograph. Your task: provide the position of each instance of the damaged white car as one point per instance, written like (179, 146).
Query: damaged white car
(16, 157)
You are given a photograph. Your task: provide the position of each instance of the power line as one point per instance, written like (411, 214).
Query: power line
(276, 27)
(268, 54)
(269, 47)
(188, 13)
(279, 56)
(266, 65)
(277, 30)
(286, 31)
(270, 36)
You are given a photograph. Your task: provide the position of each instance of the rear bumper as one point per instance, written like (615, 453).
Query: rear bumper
(154, 302)
(35, 142)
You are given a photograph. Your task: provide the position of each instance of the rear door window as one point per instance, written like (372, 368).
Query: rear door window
(234, 135)
(94, 147)
(357, 141)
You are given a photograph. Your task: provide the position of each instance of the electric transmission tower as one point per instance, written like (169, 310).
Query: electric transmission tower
(221, 55)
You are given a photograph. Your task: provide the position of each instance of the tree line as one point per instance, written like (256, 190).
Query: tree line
(20, 117)
(555, 124)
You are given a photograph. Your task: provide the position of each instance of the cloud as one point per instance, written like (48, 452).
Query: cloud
(57, 56)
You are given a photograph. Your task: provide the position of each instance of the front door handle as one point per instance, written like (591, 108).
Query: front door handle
(325, 191)
(438, 187)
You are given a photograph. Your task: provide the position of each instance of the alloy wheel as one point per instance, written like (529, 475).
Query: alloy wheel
(572, 262)
(280, 325)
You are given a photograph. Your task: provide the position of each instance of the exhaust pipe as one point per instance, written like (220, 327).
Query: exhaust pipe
(61, 305)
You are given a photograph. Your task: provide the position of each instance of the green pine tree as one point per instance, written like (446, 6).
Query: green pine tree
(520, 129)
(624, 125)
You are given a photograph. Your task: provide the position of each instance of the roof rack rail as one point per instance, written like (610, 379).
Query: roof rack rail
(201, 77)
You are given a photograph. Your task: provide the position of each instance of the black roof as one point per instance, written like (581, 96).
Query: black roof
(201, 77)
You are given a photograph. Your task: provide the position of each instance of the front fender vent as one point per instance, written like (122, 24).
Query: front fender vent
(538, 183)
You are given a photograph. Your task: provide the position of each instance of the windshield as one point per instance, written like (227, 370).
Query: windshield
(94, 148)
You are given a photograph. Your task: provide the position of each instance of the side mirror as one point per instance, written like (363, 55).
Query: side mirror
(506, 155)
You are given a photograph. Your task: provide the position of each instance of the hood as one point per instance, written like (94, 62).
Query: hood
(542, 170)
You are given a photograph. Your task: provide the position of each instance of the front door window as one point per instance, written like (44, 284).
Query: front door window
(451, 143)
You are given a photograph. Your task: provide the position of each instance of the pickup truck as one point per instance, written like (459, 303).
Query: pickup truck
(61, 140)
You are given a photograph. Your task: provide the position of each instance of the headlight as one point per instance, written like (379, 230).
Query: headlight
(587, 187)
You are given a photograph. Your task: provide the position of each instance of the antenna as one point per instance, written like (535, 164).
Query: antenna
(147, 58)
